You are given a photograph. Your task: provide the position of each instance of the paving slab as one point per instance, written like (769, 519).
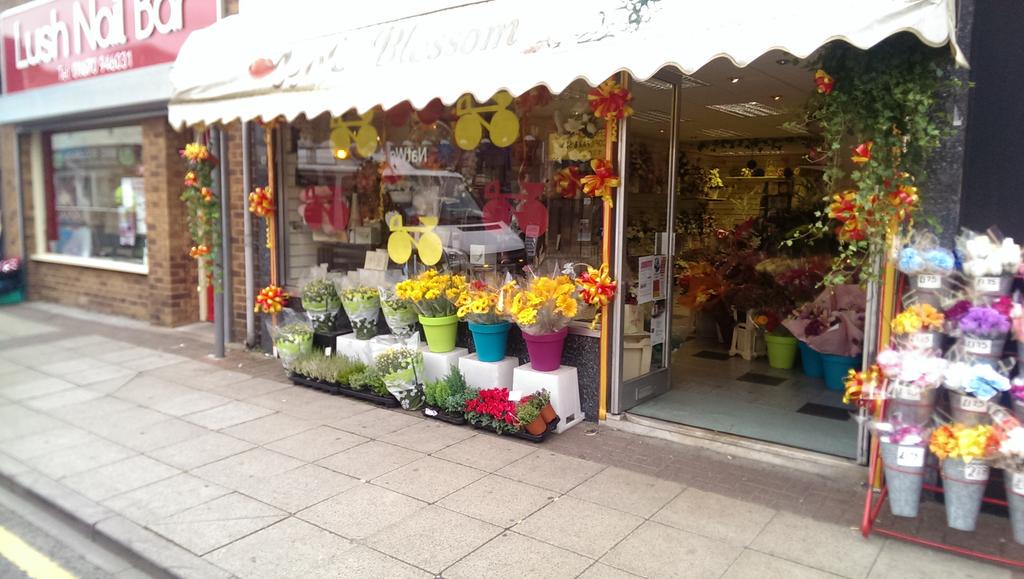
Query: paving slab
(899, 560)
(62, 398)
(800, 540)
(316, 443)
(216, 523)
(375, 423)
(80, 458)
(418, 539)
(602, 571)
(427, 436)
(550, 470)
(163, 553)
(296, 489)
(288, 549)
(513, 556)
(429, 479)
(361, 511)
(201, 450)
(579, 526)
(655, 550)
(486, 452)
(16, 422)
(230, 414)
(370, 460)
(477, 500)
(628, 491)
(244, 469)
(269, 428)
(157, 435)
(717, 517)
(118, 477)
(188, 402)
(34, 388)
(46, 442)
(753, 564)
(165, 498)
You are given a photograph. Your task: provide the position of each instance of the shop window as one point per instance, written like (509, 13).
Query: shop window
(501, 177)
(95, 197)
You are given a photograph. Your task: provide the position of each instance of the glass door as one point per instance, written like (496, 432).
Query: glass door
(644, 244)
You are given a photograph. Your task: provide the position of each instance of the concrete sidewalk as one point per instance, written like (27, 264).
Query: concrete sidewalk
(221, 468)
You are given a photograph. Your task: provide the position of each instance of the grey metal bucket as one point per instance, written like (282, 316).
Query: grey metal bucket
(910, 410)
(904, 475)
(1015, 503)
(964, 486)
(1018, 410)
(928, 289)
(984, 350)
(993, 285)
(968, 410)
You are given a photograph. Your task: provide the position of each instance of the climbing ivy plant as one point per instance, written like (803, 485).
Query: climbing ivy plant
(880, 114)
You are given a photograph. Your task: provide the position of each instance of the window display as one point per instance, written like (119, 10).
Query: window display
(478, 187)
(96, 198)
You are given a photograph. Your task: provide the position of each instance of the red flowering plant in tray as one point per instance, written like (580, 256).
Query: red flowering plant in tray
(492, 409)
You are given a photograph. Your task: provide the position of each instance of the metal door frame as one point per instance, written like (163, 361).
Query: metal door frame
(625, 395)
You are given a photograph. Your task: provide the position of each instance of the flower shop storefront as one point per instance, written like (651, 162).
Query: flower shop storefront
(473, 142)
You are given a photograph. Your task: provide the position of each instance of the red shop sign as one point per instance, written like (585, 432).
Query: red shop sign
(57, 41)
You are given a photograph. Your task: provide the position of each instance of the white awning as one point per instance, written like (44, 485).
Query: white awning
(335, 56)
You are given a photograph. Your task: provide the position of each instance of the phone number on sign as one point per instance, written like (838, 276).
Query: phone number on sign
(94, 65)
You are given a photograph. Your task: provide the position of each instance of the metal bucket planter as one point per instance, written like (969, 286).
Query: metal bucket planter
(968, 410)
(921, 341)
(904, 475)
(991, 285)
(964, 486)
(928, 288)
(984, 350)
(1015, 503)
(912, 405)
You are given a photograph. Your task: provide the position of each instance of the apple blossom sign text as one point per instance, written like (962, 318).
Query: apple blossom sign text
(56, 41)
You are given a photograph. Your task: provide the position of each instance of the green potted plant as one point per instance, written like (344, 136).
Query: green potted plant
(529, 417)
(434, 294)
(446, 397)
(542, 398)
(781, 345)
(400, 369)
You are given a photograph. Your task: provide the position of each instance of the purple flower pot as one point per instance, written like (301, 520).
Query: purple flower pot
(546, 350)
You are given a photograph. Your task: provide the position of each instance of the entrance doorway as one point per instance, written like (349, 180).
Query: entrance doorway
(718, 175)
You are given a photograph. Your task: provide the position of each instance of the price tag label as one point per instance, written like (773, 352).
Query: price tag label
(975, 471)
(1018, 483)
(430, 412)
(376, 260)
(972, 404)
(477, 254)
(987, 284)
(977, 346)
(911, 456)
(327, 351)
(922, 340)
(929, 281)
(904, 392)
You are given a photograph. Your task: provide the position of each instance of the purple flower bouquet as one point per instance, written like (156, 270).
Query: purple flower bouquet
(985, 322)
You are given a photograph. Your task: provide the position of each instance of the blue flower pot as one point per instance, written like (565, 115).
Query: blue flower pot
(491, 340)
(836, 368)
(811, 360)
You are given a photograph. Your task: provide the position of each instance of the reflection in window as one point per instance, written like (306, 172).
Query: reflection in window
(501, 177)
(96, 201)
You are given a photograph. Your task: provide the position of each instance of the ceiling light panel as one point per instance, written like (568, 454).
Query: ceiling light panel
(651, 116)
(722, 133)
(746, 110)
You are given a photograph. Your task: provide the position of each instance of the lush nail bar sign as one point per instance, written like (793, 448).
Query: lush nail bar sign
(56, 41)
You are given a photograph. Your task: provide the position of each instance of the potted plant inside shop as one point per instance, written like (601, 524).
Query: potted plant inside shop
(833, 324)
(446, 397)
(543, 308)
(962, 451)
(362, 306)
(485, 306)
(401, 369)
(492, 410)
(434, 294)
(781, 345)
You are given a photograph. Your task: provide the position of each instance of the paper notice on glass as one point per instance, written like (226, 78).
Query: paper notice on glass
(658, 280)
(658, 327)
(645, 280)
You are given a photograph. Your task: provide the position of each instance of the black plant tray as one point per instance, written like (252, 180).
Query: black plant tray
(522, 433)
(386, 401)
(438, 414)
(323, 340)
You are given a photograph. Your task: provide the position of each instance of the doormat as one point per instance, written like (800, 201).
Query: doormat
(763, 379)
(823, 411)
(712, 355)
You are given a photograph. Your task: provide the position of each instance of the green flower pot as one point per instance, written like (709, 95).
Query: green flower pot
(440, 332)
(781, 351)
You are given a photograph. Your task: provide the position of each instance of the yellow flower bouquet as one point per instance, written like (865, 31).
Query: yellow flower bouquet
(543, 308)
(485, 306)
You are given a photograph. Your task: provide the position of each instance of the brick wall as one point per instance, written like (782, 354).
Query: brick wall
(9, 194)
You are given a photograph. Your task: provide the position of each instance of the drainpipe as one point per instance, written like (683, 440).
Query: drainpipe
(250, 281)
(20, 190)
(218, 292)
(225, 233)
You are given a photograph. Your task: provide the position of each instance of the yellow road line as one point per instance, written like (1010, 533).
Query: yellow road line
(32, 562)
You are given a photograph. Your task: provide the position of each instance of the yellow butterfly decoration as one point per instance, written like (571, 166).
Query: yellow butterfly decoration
(362, 131)
(503, 126)
(401, 243)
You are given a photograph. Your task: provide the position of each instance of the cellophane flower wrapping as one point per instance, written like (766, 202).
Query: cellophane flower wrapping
(433, 293)
(1009, 455)
(898, 432)
(362, 305)
(833, 323)
(961, 442)
(988, 254)
(400, 314)
(402, 371)
(544, 304)
(984, 322)
(320, 298)
(983, 381)
(923, 255)
(918, 369)
(486, 300)
(293, 336)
